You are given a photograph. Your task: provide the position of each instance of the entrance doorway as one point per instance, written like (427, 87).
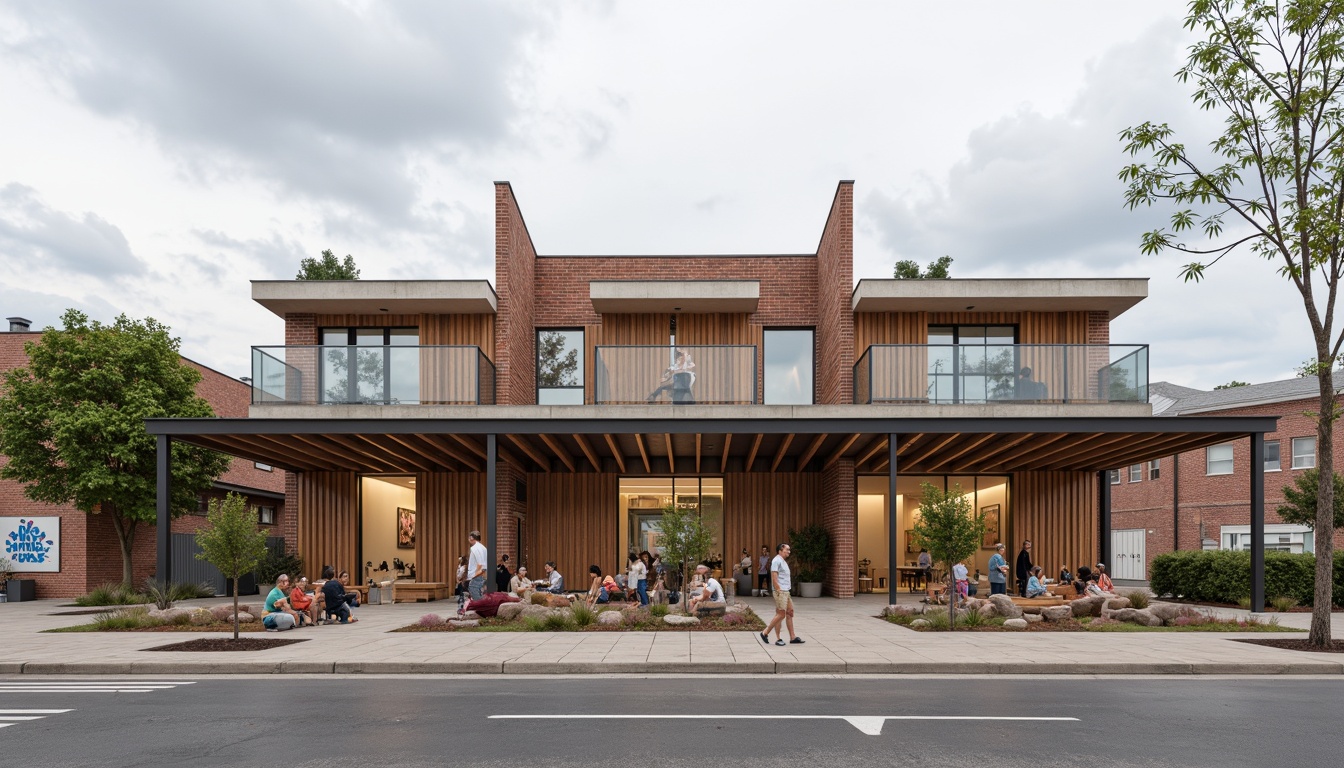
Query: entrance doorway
(643, 501)
(1129, 547)
(388, 531)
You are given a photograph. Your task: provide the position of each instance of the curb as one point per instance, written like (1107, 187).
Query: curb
(662, 668)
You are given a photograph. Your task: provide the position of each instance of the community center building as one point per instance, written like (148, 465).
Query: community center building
(562, 408)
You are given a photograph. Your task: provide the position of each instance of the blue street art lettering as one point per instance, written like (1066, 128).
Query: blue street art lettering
(28, 544)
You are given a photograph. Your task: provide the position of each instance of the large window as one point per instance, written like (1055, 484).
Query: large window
(560, 366)
(1218, 459)
(972, 363)
(1272, 456)
(789, 367)
(1304, 452)
(644, 499)
(1135, 473)
(370, 365)
(1154, 469)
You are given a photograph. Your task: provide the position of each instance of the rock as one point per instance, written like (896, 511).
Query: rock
(1136, 616)
(1087, 606)
(1116, 603)
(711, 610)
(170, 615)
(470, 615)
(987, 611)
(739, 607)
(538, 598)
(551, 601)
(1033, 618)
(243, 618)
(1003, 606)
(534, 611)
(1015, 624)
(610, 617)
(510, 611)
(1057, 612)
(1030, 609)
(677, 619)
(896, 610)
(1167, 612)
(462, 623)
(921, 623)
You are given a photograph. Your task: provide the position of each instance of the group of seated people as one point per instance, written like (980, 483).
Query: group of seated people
(632, 586)
(1086, 583)
(331, 602)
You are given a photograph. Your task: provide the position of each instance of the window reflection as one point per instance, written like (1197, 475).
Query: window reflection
(789, 367)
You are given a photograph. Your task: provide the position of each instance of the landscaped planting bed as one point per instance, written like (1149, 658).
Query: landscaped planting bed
(578, 618)
(144, 619)
(1116, 614)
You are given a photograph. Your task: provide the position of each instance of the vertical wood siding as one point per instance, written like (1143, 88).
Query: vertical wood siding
(328, 522)
(571, 519)
(761, 508)
(448, 505)
(1058, 512)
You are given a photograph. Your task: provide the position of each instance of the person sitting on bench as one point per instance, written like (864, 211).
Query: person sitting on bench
(1035, 588)
(520, 586)
(711, 595)
(338, 600)
(554, 582)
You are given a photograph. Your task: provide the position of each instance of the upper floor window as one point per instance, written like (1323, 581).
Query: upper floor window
(1304, 452)
(1154, 469)
(972, 363)
(1218, 459)
(1135, 473)
(370, 365)
(1114, 476)
(560, 366)
(789, 367)
(1272, 456)
(263, 467)
(265, 515)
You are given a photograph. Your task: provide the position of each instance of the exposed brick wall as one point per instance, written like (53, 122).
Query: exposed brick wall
(300, 329)
(1098, 328)
(507, 511)
(515, 340)
(1209, 502)
(835, 288)
(839, 513)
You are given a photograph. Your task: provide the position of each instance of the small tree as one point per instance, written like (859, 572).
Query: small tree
(811, 547)
(685, 540)
(231, 542)
(937, 270)
(1299, 499)
(949, 529)
(328, 268)
(1233, 384)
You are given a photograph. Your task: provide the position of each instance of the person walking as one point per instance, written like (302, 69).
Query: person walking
(1023, 569)
(998, 572)
(476, 565)
(781, 582)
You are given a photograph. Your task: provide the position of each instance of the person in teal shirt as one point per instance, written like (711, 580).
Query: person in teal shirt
(1034, 586)
(998, 572)
(278, 615)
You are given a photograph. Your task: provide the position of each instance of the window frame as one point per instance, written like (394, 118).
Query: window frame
(261, 518)
(1294, 464)
(352, 342)
(1278, 456)
(1135, 473)
(1154, 469)
(582, 386)
(766, 331)
(1113, 476)
(1231, 460)
(956, 376)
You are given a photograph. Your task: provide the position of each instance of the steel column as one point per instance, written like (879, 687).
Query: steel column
(1104, 527)
(163, 501)
(893, 560)
(491, 509)
(1258, 522)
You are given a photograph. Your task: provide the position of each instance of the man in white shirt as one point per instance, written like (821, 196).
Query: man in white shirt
(781, 579)
(712, 594)
(476, 565)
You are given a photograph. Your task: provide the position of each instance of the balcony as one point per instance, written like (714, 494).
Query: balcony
(976, 374)
(641, 375)
(372, 375)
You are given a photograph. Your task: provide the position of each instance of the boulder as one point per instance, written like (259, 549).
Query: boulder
(1116, 603)
(538, 598)
(1057, 612)
(739, 607)
(1136, 616)
(1030, 609)
(972, 603)
(1015, 624)
(469, 615)
(553, 601)
(677, 619)
(1167, 612)
(1033, 618)
(170, 615)
(711, 610)
(243, 618)
(535, 611)
(987, 611)
(1003, 606)
(921, 623)
(463, 623)
(510, 610)
(610, 617)
(1087, 606)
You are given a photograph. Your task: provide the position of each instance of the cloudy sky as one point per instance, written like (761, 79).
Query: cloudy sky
(155, 156)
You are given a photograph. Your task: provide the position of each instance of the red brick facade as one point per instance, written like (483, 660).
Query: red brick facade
(90, 552)
(515, 340)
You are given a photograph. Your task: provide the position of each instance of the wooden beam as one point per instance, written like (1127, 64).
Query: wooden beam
(616, 451)
(845, 445)
(452, 451)
(723, 462)
(560, 451)
(470, 445)
(1156, 445)
(324, 445)
(697, 453)
(751, 455)
(671, 459)
(362, 447)
(810, 452)
(531, 451)
(1042, 448)
(411, 456)
(643, 453)
(981, 459)
(871, 450)
(508, 457)
(254, 447)
(933, 447)
(970, 444)
(1081, 454)
(588, 451)
(783, 449)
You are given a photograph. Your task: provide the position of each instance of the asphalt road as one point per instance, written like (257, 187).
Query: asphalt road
(368, 722)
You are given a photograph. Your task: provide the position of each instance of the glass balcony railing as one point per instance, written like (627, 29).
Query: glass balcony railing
(372, 375)
(705, 375)
(1038, 373)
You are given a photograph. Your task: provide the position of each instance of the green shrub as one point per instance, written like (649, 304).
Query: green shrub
(1244, 603)
(583, 615)
(1225, 577)
(274, 564)
(1283, 603)
(163, 595)
(1139, 598)
(558, 622)
(657, 610)
(534, 624)
(111, 594)
(126, 618)
(937, 619)
(972, 619)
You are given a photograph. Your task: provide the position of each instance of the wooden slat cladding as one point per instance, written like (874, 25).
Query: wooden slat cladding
(621, 329)
(328, 522)
(724, 329)
(1058, 512)
(435, 330)
(571, 519)
(380, 320)
(913, 327)
(448, 505)
(760, 509)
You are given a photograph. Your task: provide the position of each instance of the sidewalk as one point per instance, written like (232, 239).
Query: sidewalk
(842, 638)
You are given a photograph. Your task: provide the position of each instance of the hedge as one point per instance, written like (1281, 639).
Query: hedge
(1225, 577)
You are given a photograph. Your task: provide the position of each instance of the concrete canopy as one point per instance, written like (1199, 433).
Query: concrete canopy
(1114, 295)
(674, 295)
(472, 297)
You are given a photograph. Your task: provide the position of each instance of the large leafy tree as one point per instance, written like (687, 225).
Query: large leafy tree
(232, 542)
(937, 270)
(949, 529)
(328, 268)
(72, 422)
(1272, 181)
(1299, 499)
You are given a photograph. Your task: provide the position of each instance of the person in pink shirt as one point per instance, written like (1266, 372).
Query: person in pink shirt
(1103, 580)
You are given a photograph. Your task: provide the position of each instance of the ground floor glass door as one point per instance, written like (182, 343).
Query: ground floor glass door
(643, 501)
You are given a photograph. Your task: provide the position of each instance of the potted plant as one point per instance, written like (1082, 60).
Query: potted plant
(274, 564)
(811, 551)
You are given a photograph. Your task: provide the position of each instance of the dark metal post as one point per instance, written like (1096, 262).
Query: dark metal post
(893, 559)
(491, 511)
(1104, 528)
(164, 570)
(1258, 522)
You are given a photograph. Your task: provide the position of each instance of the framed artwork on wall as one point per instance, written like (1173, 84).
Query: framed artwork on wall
(910, 541)
(405, 528)
(992, 525)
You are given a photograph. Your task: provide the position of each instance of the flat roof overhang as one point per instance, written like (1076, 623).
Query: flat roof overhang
(711, 446)
(370, 297)
(615, 296)
(1112, 295)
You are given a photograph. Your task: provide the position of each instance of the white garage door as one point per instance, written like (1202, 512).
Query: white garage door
(1127, 548)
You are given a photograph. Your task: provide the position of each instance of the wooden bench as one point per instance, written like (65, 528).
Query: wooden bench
(1039, 602)
(419, 591)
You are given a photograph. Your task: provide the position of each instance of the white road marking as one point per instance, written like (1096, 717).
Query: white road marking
(10, 717)
(871, 725)
(88, 686)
